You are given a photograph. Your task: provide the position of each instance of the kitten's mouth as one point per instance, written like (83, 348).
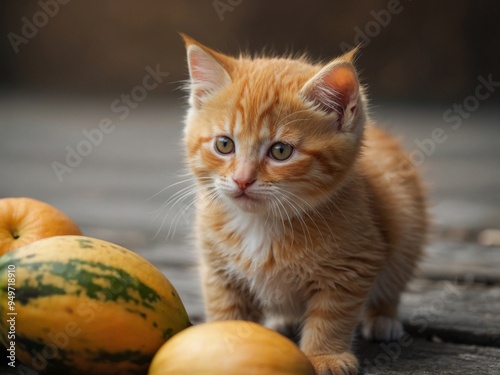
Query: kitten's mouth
(246, 201)
(245, 197)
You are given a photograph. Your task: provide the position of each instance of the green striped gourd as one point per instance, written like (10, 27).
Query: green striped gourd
(86, 306)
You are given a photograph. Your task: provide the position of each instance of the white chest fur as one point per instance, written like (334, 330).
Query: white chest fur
(256, 236)
(276, 288)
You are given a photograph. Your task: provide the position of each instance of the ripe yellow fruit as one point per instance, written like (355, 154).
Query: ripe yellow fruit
(230, 348)
(86, 306)
(24, 220)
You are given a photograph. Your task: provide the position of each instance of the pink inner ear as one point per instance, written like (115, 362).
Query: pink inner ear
(203, 68)
(343, 82)
(200, 76)
(335, 89)
(196, 73)
(207, 74)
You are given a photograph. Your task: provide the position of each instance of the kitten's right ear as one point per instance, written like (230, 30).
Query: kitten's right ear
(208, 70)
(335, 89)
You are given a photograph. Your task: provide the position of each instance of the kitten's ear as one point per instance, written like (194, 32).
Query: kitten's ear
(208, 70)
(335, 90)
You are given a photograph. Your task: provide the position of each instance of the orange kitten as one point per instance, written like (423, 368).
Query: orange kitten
(297, 221)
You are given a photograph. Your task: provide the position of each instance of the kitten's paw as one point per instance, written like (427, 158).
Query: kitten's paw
(335, 364)
(382, 328)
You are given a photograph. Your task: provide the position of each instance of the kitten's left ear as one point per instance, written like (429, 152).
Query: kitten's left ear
(208, 70)
(335, 90)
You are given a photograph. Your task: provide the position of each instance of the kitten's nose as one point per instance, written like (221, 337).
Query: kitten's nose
(243, 183)
(245, 174)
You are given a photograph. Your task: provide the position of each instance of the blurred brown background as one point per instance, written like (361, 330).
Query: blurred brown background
(421, 60)
(423, 50)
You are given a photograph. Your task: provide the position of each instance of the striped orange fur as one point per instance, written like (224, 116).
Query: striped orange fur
(297, 221)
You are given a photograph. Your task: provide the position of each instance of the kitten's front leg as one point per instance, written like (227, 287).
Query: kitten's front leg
(225, 300)
(331, 319)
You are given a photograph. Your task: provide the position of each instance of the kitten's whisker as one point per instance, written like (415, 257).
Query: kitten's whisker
(292, 121)
(330, 199)
(177, 218)
(270, 214)
(299, 217)
(291, 114)
(193, 185)
(168, 187)
(292, 234)
(174, 201)
(181, 194)
(280, 109)
(184, 172)
(211, 197)
(309, 205)
(283, 223)
(313, 209)
(208, 192)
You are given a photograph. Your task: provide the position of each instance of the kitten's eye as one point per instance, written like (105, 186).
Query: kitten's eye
(224, 145)
(280, 151)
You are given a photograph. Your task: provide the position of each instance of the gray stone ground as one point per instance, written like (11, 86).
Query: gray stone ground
(118, 192)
